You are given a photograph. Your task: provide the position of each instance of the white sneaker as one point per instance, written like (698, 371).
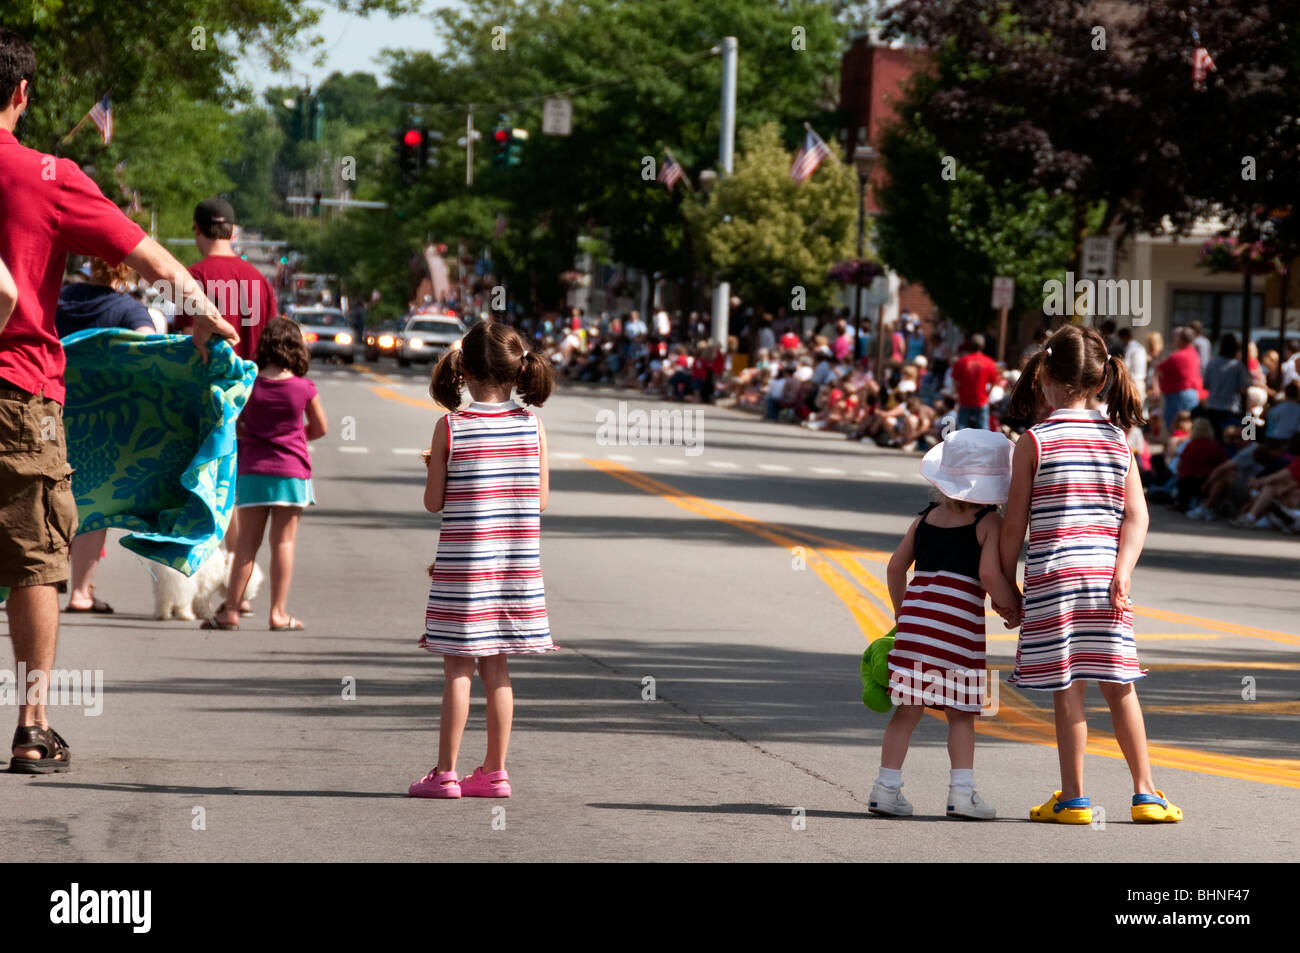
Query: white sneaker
(966, 803)
(889, 802)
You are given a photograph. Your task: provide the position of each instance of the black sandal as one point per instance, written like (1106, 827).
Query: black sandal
(57, 755)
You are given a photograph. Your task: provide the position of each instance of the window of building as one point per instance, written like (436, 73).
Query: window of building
(1221, 309)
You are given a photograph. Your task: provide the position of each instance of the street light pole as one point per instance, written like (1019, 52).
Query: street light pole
(864, 158)
(726, 151)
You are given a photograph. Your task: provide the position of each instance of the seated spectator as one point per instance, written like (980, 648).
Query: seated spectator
(1197, 459)
(1284, 418)
(1229, 484)
(1282, 490)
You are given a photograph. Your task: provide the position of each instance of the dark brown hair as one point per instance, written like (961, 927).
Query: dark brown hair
(216, 230)
(17, 63)
(492, 353)
(282, 344)
(1076, 360)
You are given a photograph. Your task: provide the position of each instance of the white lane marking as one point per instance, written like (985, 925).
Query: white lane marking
(354, 449)
(619, 458)
(672, 461)
(826, 470)
(563, 455)
(773, 468)
(402, 451)
(878, 473)
(724, 465)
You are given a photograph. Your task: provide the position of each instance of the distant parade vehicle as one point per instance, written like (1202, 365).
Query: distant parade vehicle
(326, 332)
(382, 341)
(427, 335)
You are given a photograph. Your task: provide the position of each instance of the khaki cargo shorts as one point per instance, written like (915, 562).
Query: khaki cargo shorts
(38, 511)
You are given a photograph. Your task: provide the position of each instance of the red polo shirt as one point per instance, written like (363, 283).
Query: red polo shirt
(240, 292)
(974, 374)
(48, 208)
(1180, 371)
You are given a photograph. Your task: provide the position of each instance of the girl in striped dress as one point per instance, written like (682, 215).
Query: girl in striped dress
(488, 476)
(1074, 487)
(937, 659)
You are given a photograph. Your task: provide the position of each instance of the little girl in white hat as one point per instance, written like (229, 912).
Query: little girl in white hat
(938, 655)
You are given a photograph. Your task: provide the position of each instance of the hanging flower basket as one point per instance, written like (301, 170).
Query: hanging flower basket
(1228, 254)
(575, 279)
(856, 271)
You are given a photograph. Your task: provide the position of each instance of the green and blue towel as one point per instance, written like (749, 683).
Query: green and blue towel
(151, 437)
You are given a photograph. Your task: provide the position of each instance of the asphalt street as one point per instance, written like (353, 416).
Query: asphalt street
(711, 601)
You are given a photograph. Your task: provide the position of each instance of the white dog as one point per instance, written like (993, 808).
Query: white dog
(176, 596)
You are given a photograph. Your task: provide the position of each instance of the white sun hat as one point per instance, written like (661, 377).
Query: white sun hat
(972, 465)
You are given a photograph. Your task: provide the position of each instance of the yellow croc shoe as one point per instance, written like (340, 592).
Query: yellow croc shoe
(1075, 810)
(1155, 809)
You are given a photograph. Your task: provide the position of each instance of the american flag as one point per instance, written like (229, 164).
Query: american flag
(809, 158)
(101, 114)
(670, 172)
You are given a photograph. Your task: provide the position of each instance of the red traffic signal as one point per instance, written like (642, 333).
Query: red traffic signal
(501, 135)
(413, 138)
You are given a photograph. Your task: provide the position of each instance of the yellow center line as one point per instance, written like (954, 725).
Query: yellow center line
(1018, 718)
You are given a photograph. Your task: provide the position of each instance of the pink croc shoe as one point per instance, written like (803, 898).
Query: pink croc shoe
(486, 784)
(435, 784)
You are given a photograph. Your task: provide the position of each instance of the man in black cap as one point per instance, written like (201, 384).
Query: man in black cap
(237, 288)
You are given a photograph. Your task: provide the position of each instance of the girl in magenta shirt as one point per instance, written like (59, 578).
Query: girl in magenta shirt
(274, 469)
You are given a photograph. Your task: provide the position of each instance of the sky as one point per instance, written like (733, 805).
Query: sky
(351, 44)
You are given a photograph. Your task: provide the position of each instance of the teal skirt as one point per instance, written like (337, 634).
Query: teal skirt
(260, 489)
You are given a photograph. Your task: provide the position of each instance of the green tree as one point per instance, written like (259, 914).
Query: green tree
(769, 236)
(943, 225)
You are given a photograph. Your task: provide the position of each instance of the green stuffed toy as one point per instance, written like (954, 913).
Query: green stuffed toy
(875, 673)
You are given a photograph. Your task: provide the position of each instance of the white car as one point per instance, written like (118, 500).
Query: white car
(427, 336)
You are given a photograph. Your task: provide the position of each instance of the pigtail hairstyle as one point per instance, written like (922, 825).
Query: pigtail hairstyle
(1121, 395)
(1022, 405)
(448, 378)
(536, 379)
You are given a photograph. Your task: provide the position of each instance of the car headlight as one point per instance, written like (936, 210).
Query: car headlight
(343, 338)
(385, 340)
(416, 342)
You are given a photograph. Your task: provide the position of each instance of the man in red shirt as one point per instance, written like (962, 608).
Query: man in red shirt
(1179, 377)
(50, 208)
(974, 373)
(240, 291)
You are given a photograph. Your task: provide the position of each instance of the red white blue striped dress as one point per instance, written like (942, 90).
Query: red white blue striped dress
(486, 596)
(1070, 630)
(938, 654)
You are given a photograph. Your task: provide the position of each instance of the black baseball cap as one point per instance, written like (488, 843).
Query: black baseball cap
(211, 212)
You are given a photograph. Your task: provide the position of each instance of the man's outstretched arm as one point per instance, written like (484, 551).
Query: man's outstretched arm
(155, 263)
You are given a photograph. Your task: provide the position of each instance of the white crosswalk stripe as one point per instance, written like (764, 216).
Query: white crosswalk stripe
(830, 470)
(724, 465)
(343, 449)
(773, 468)
(671, 461)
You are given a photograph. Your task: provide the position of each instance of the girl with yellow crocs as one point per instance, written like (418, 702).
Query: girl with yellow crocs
(1074, 487)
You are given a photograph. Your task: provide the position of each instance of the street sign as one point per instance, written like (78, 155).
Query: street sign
(557, 117)
(1004, 293)
(1098, 256)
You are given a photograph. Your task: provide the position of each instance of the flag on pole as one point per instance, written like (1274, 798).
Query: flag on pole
(809, 158)
(101, 114)
(669, 172)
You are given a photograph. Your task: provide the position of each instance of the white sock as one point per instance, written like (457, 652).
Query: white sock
(890, 778)
(962, 779)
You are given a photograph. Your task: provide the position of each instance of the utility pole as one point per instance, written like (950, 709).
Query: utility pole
(469, 146)
(726, 154)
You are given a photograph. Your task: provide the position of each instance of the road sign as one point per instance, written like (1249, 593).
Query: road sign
(1098, 256)
(1004, 293)
(557, 117)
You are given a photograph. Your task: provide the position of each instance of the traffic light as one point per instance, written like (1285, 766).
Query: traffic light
(501, 142)
(316, 121)
(429, 148)
(410, 145)
(515, 153)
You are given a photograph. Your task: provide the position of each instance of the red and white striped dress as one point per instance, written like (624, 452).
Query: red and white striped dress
(1070, 630)
(486, 596)
(938, 654)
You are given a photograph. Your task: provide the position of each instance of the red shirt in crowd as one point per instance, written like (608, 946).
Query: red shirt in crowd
(1180, 371)
(974, 374)
(240, 292)
(1200, 456)
(48, 208)
(790, 341)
